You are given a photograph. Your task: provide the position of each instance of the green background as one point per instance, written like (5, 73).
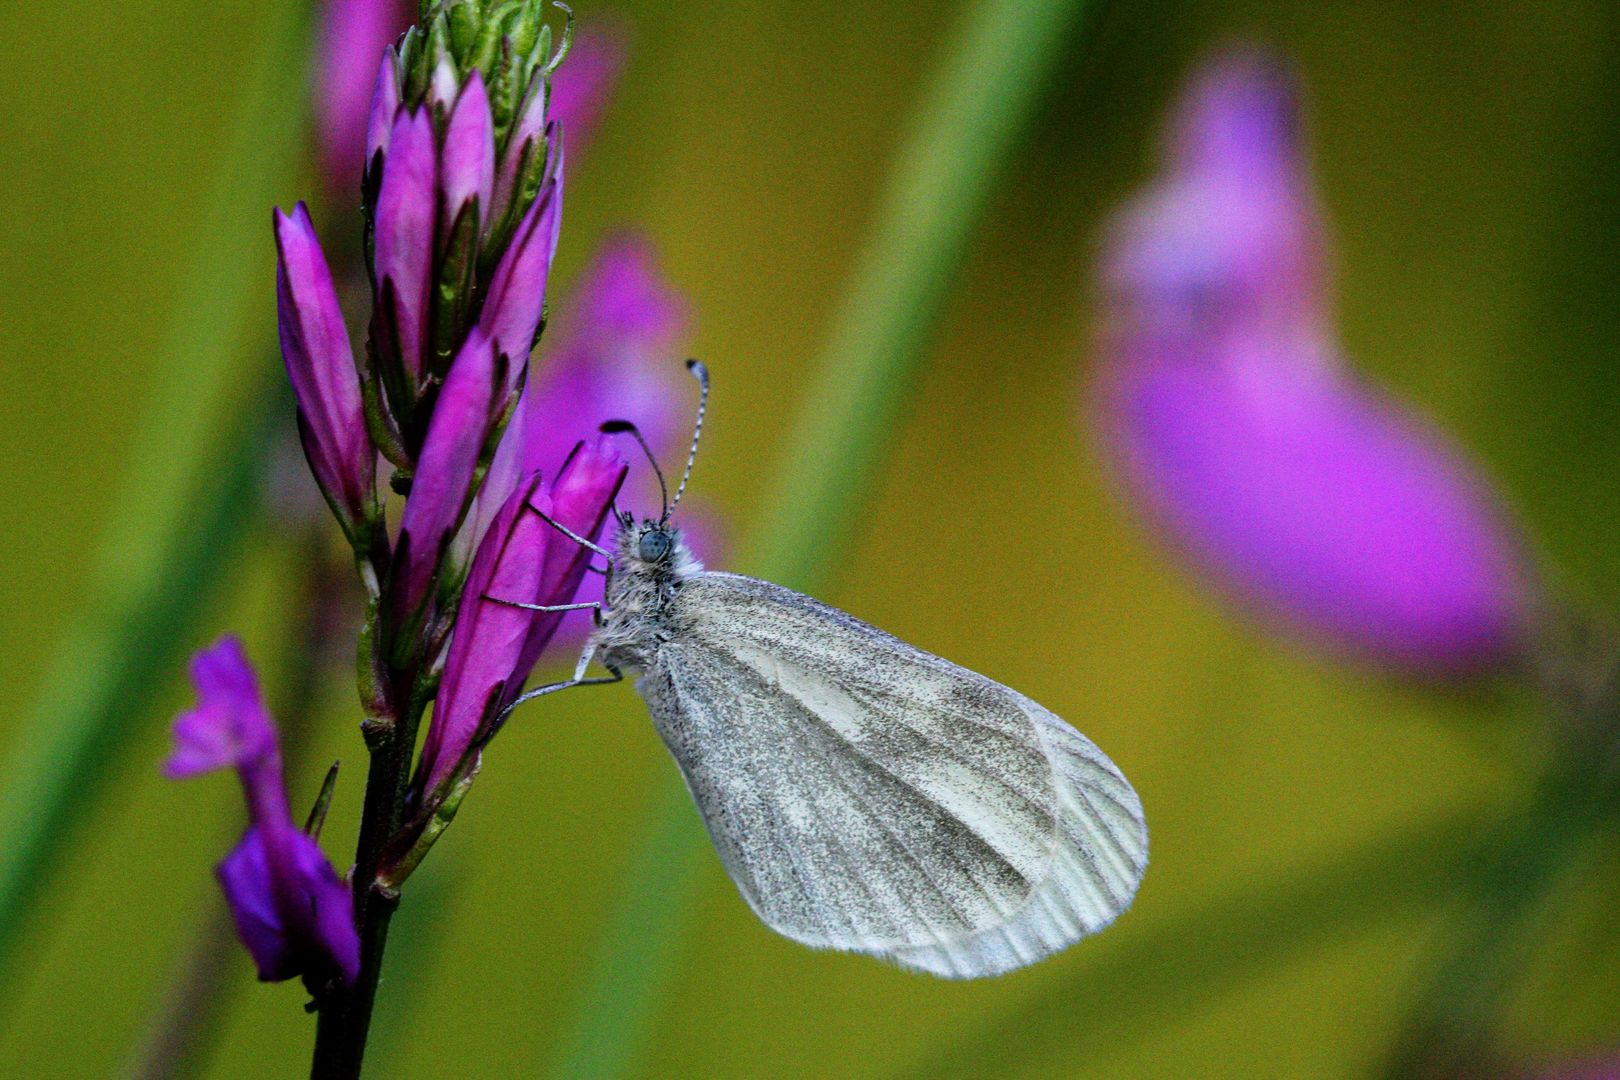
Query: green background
(1469, 156)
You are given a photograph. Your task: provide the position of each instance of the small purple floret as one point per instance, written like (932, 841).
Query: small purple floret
(320, 363)
(291, 909)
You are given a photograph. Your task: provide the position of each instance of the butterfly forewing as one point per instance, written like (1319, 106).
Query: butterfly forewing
(868, 796)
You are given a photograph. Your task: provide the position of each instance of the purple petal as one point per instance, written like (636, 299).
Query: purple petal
(517, 291)
(1323, 506)
(384, 107)
(488, 637)
(580, 88)
(404, 230)
(230, 726)
(1232, 231)
(445, 469)
(442, 87)
(580, 498)
(320, 363)
(523, 558)
(352, 35)
(615, 360)
(1310, 497)
(500, 480)
(292, 911)
(468, 160)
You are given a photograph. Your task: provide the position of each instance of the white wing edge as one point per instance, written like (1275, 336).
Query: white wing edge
(1097, 864)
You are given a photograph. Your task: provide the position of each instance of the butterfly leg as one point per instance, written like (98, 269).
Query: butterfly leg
(593, 606)
(566, 531)
(614, 675)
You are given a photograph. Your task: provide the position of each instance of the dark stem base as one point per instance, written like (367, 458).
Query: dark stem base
(345, 1013)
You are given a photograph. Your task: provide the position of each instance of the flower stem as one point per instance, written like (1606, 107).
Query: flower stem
(345, 1015)
(985, 89)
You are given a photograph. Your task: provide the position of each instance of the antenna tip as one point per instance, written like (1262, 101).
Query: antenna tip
(695, 366)
(616, 427)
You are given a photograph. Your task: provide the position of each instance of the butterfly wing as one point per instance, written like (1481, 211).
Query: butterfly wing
(868, 796)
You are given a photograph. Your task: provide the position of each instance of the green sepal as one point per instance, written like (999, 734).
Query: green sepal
(400, 394)
(565, 44)
(524, 31)
(487, 44)
(455, 290)
(504, 100)
(323, 803)
(380, 425)
(464, 30)
(369, 669)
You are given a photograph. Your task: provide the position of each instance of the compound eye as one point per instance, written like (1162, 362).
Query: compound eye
(654, 546)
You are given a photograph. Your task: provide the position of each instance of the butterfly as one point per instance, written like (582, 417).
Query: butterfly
(863, 794)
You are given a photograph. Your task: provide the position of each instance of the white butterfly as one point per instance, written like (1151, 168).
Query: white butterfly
(865, 795)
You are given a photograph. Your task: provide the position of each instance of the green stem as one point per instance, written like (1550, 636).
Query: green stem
(980, 99)
(345, 1016)
(189, 470)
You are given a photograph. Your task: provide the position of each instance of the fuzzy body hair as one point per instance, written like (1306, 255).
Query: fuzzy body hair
(639, 596)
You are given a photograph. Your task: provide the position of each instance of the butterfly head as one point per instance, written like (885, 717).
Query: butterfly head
(650, 548)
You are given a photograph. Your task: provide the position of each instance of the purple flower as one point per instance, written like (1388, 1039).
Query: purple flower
(320, 363)
(404, 243)
(385, 99)
(1311, 497)
(522, 558)
(352, 35)
(292, 911)
(582, 85)
(468, 406)
(469, 153)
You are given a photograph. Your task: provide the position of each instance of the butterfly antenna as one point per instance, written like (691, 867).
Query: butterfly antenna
(625, 427)
(701, 373)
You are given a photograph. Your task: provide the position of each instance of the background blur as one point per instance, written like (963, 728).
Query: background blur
(1469, 156)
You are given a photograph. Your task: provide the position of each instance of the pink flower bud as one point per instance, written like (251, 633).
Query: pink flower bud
(320, 362)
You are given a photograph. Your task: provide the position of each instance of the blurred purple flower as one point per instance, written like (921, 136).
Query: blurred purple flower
(320, 363)
(1599, 1069)
(614, 360)
(351, 36)
(292, 911)
(581, 87)
(1224, 399)
(522, 558)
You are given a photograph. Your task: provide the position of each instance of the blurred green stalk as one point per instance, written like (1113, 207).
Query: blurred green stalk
(986, 88)
(190, 474)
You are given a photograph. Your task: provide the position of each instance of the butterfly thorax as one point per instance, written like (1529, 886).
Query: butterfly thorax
(649, 564)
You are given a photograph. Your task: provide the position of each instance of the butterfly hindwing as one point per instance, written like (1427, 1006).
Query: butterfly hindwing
(868, 796)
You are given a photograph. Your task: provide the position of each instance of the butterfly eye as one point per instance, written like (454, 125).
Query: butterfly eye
(654, 546)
